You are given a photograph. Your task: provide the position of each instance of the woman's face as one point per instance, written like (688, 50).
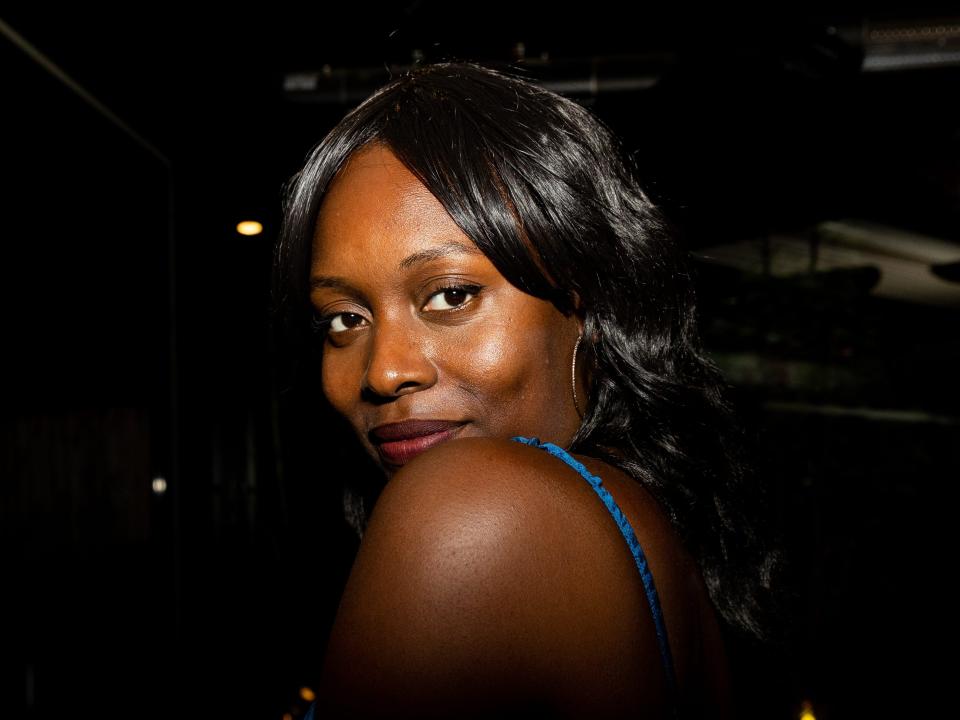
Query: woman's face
(422, 329)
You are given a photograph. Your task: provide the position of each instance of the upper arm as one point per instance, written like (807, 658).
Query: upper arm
(486, 579)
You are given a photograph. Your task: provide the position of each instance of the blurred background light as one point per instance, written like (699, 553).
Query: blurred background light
(249, 227)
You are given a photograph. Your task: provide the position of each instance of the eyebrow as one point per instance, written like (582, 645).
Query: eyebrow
(418, 258)
(434, 253)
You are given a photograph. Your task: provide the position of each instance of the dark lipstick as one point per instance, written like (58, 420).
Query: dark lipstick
(398, 443)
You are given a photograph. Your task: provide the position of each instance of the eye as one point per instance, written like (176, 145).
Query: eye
(451, 298)
(345, 321)
(341, 322)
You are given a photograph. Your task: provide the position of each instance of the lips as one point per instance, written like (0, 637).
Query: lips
(398, 443)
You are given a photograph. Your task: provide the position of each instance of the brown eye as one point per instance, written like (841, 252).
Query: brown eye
(450, 298)
(345, 321)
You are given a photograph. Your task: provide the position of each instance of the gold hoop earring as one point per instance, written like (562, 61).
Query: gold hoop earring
(573, 376)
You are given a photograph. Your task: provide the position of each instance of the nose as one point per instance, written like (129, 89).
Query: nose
(398, 362)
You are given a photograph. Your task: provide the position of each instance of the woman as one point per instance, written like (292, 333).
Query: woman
(509, 327)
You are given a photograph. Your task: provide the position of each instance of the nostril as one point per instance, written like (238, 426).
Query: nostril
(371, 395)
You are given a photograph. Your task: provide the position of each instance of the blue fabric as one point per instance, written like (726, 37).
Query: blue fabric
(627, 531)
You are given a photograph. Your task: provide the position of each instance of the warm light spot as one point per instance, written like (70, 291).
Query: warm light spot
(307, 694)
(249, 227)
(806, 711)
(159, 486)
(287, 716)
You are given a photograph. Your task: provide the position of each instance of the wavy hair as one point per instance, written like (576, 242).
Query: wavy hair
(544, 190)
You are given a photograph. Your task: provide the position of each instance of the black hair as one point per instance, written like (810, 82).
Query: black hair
(545, 191)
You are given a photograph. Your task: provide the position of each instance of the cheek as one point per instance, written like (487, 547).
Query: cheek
(339, 381)
(491, 355)
(512, 365)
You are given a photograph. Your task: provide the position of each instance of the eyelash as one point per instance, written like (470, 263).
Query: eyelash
(472, 290)
(322, 324)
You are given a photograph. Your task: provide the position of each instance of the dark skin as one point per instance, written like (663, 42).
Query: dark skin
(490, 576)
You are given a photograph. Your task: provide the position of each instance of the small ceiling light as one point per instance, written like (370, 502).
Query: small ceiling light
(249, 227)
(307, 694)
(159, 486)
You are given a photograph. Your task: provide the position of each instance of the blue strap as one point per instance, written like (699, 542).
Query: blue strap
(627, 531)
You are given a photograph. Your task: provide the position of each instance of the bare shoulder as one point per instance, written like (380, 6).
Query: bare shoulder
(492, 575)
(476, 468)
(477, 477)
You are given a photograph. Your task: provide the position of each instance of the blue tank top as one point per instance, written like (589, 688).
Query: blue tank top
(638, 557)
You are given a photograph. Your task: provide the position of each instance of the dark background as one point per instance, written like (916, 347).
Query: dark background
(809, 159)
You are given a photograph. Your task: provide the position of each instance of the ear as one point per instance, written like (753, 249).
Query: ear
(578, 311)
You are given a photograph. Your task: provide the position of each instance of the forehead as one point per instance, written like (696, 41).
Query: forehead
(375, 203)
